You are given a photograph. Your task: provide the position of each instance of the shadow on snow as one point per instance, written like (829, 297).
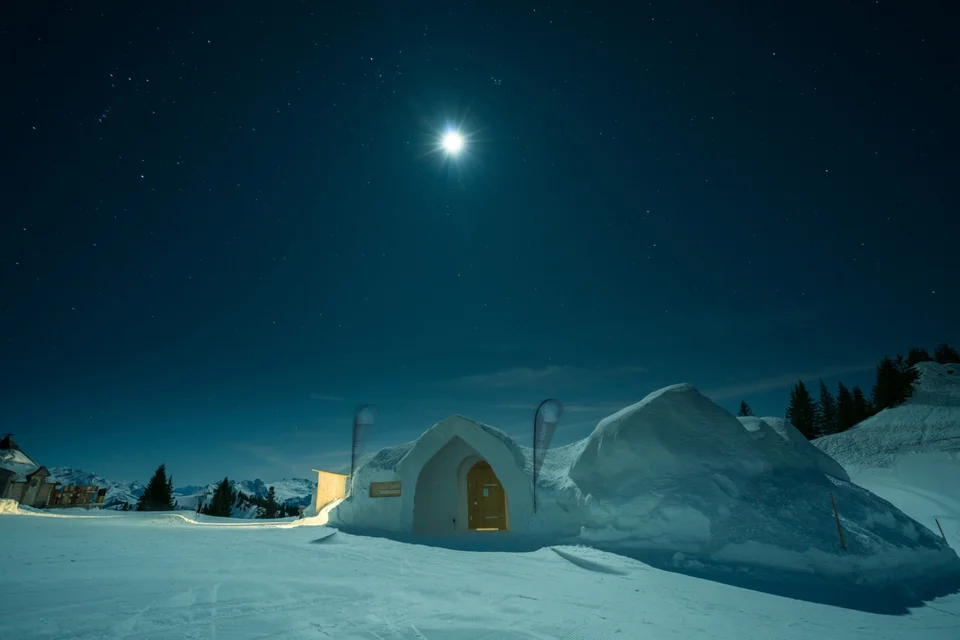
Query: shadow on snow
(894, 599)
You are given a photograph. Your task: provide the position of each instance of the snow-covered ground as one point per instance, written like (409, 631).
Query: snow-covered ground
(133, 575)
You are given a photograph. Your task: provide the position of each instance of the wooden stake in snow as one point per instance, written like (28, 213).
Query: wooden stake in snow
(941, 529)
(843, 545)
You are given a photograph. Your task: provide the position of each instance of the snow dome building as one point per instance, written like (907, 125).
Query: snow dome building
(459, 476)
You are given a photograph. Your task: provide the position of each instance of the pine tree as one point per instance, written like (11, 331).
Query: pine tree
(222, 501)
(894, 383)
(885, 388)
(861, 408)
(268, 508)
(845, 409)
(803, 412)
(745, 409)
(945, 354)
(917, 355)
(827, 424)
(273, 507)
(158, 495)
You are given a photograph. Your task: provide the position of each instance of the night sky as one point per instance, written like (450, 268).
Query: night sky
(228, 223)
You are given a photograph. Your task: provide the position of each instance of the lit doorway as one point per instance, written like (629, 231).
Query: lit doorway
(486, 500)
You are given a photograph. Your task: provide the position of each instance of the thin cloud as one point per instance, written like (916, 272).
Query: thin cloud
(324, 397)
(523, 436)
(271, 459)
(567, 408)
(515, 377)
(749, 387)
(274, 461)
(526, 377)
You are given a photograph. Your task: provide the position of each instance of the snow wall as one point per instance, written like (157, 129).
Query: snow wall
(672, 473)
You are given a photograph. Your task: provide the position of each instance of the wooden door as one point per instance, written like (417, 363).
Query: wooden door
(486, 500)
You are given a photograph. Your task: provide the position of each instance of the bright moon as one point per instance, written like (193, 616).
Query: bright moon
(452, 143)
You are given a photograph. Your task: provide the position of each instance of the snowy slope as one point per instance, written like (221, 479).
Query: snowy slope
(258, 580)
(927, 423)
(676, 474)
(911, 454)
(118, 493)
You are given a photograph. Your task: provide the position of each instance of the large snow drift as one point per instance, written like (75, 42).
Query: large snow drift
(677, 474)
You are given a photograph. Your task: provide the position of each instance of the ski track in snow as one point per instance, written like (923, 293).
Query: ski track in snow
(160, 576)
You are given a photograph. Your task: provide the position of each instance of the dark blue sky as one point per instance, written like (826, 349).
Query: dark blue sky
(225, 227)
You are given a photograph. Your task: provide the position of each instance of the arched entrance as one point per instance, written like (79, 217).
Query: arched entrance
(436, 499)
(486, 499)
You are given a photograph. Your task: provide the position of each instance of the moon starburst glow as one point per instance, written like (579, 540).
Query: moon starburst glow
(452, 143)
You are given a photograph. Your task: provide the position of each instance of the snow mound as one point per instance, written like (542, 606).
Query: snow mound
(787, 439)
(675, 472)
(784, 429)
(9, 507)
(649, 444)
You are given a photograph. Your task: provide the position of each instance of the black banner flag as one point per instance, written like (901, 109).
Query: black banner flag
(363, 418)
(544, 424)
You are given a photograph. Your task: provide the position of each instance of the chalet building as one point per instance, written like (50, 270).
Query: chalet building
(22, 479)
(32, 485)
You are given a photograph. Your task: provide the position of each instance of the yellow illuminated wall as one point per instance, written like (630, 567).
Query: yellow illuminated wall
(330, 487)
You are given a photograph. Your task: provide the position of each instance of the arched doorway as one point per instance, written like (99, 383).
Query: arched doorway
(486, 499)
(435, 497)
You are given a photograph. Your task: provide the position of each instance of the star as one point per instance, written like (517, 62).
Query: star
(452, 142)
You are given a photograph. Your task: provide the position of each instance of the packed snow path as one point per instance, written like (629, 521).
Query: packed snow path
(133, 575)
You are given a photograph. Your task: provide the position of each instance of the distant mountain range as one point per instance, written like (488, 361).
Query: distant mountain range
(293, 491)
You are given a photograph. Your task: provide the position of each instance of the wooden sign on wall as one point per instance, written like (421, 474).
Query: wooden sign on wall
(385, 489)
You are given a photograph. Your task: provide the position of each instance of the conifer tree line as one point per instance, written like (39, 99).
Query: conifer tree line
(827, 413)
(158, 496)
